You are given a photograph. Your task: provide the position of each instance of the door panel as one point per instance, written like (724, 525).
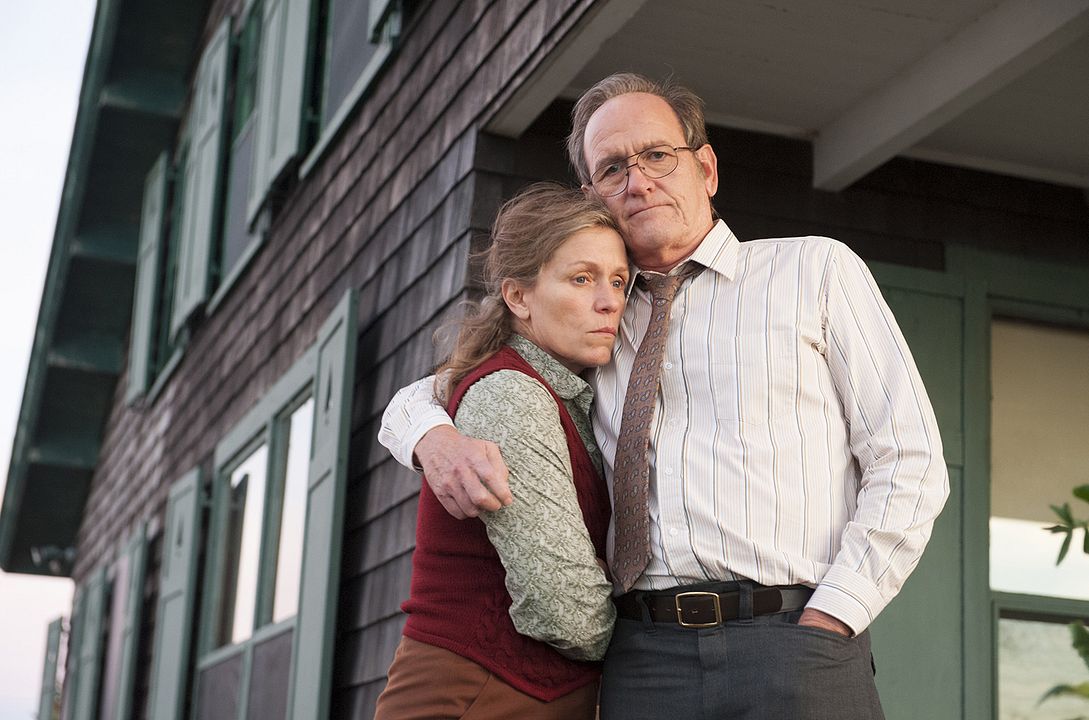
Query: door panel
(918, 639)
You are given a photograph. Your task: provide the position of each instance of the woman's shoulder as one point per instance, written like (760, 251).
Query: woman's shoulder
(507, 399)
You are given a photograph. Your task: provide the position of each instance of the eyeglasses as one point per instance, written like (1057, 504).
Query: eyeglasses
(655, 162)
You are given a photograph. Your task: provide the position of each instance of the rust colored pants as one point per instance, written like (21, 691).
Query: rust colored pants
(430, 683)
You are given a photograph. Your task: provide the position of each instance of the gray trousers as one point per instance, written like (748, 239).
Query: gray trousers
(762, 668)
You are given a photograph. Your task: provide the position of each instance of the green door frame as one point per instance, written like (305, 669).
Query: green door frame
(988, 284)
(1026, 289)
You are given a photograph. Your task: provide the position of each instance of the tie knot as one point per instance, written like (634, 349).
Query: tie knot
(664, 287)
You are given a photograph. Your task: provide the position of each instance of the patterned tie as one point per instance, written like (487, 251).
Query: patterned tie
(631, 474)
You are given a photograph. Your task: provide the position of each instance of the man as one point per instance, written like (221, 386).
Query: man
(792, 456)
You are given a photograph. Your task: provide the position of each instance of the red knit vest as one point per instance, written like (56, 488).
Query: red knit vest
(458, 600)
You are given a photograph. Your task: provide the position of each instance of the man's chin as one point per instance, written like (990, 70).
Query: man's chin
(644, 240)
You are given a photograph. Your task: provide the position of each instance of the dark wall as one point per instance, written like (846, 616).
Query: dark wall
(905, 212)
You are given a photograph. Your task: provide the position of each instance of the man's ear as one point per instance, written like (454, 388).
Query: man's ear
(586, 189)
(514, 296)
(709, 164)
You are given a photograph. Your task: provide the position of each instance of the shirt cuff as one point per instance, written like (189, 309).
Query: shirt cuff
(848, 597)
(428, 421)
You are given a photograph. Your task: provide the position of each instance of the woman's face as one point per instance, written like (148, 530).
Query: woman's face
(573, 309)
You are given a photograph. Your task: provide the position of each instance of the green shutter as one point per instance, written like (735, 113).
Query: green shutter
(147, 277)
(71, 675)
(281, 94)
(202, 174)
(314, 628)
(85, 700)
(177, 580)
(380, 10)
(135, 555)
(47, 705)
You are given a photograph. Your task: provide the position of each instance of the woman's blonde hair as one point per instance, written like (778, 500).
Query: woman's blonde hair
(528, 230)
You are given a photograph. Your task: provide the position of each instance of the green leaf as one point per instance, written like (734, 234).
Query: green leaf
(1081, 690)
(1079, 637)
(1085, 542)
(1057, 529)
(1064, 514)
(1066, 546)
(1082, 492)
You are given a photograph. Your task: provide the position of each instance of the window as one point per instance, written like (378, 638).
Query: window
(203, 173)
(105, 634)
(49, 706)
(123, 635)
(236, 240)
(272, 556)
(281, 82)
(264, 493)
(352, 42)
(1039, 412)
(86, 649)
(1034, 655)
(152, 347)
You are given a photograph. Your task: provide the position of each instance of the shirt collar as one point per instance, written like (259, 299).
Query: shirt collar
(565, 383)
(718, 251)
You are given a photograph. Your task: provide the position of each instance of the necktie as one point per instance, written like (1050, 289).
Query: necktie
(631, 471)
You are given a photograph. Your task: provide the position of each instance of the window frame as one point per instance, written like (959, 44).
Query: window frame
(264, 425)
(327, 366)
(386, 36)
(1013, 605)
(1038, 608)
(223, 282)
(162, 352)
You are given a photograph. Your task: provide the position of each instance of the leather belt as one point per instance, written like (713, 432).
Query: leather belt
(704, 608)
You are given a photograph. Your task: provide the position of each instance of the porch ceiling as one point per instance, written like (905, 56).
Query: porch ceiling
(997, 86)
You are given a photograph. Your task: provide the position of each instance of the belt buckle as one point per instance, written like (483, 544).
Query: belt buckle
(717, 620)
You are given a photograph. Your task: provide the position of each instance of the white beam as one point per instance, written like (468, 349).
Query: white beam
(983, 57)
(555, 72)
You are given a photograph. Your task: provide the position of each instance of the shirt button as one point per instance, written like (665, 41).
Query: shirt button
(673, 532)
(669, 471)
(668, 366)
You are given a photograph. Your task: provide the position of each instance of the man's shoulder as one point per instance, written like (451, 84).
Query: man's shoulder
(812, 241)
(809, 247)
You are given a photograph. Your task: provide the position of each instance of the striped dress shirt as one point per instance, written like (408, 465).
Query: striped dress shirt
(793, 441)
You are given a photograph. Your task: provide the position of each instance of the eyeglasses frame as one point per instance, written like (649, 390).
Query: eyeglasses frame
(629, 166)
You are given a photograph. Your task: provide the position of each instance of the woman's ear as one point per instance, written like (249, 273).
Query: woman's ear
(514, 295)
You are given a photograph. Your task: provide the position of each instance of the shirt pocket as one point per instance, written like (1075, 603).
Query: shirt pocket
(755, 380)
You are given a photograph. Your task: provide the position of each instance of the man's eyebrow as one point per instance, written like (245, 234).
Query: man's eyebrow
(617, 157)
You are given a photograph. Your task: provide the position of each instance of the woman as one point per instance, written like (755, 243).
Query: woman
(505, 611)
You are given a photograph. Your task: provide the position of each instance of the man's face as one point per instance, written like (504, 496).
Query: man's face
(662, 220)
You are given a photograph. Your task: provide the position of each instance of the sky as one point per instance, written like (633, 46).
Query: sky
(43, 45)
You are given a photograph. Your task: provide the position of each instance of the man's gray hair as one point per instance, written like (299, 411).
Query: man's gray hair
(686, 105)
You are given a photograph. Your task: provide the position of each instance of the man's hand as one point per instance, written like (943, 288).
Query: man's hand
(824, 621)
(467, 475)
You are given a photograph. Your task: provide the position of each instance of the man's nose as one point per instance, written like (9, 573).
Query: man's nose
(638, 182)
